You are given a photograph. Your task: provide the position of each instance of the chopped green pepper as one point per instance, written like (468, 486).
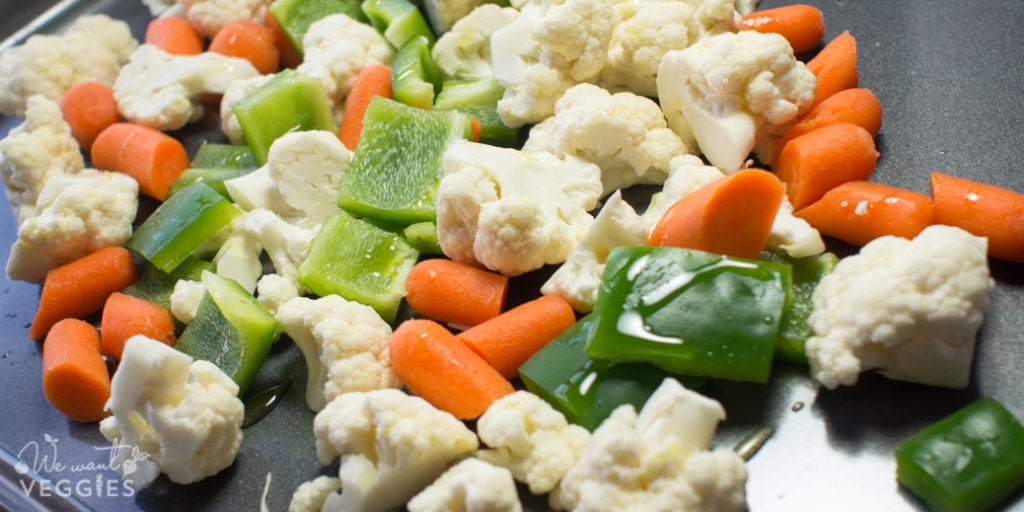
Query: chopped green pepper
(215, 163)
(422, 236)
(478, 99)
(398, 20)
(794, 331)
(295, 16)
(415, 77)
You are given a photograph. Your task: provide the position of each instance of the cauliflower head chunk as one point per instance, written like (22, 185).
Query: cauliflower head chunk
(345, 345)
(624, 134)
(727, 91)
(255, 231)
(657, 460)
(183, 415)
(513, 211)
(464, 52)
(93, 48)
(309, 167)
(392, 445)
(161, 90)
(469, 486)
(908, 308)
(208, 16)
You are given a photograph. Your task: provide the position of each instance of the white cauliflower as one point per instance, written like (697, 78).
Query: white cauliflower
(208, 16)
(529, 437)
(310, 496)
(513, 211)
(745, 7)
(686, 173)
(258, 190)
(657, 460)
(579, 278)
(183, 416)
(34, 151)
(76, 214)
(392, 445)
(161, 90)
(908, 308)
(308, 167)
(345, 345)
(624, 134)
(185, 299)
(469, 486)
(273, 290)
(235, 91)
(727, 91)
(261, 230)
(464, 52)
(793, 235)
(93, 48)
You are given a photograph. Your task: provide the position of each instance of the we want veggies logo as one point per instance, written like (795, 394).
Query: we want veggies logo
(54, 477)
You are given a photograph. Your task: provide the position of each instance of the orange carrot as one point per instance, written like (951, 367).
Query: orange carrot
(153, 158)
(509, 339)
(444, 371)
(814, 163)
(174, 35)
(858, 106)
(860, 211)
(373, 80)
(75, 377)
(125, 316)
(475, 126)
(248, 40)
(89, 108)
(835, 66)
(452, 292)
(801, 24)
(981, 209)
(79, 288)
(290, 57)
(732, 215)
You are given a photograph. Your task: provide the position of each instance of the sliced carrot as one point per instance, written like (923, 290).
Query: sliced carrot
(452, 292)
(250, 41)
(857, 106)
(801, 24)
(835, 66)
(373, 80)
(981, 209)
(475, 127)
(290, 57)
(152, 157)
(75, 377)
(125, 316)
(814, 163)
(861, 211)
(89, 108)
(81, 287)
(509, 339)
(443, 371)
(732, 215)
(174, 35)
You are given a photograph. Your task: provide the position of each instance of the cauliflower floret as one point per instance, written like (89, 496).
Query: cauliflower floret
(76, 214)
(793, 235)
(909, 308)
(310, 496)
(34, 151)
(183, 415)
(345, 345)
(161, 90)
(513, 211)
(258, 190)
(685, 174)
(93, 48)
(469, 486)
(624, 134)
(745, 7)
(309, 167)
(234, 92)
(185, 299)
(391, 445)
(208, 16)
(530, 438)
(727, 91)
(261, 230)
(464, 52)
(273, 290)
(579, 278)
(657, 460)
(337, 48)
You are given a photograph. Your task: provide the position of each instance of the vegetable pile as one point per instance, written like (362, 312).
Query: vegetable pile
(382, 173)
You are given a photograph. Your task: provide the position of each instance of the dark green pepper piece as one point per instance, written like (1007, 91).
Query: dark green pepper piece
(794, 331)
(295, 16)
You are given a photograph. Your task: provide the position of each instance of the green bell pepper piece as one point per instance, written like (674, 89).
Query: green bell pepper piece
(794, 331)
(422, 236)
(398, 20)
(478, 99)
(295, 16)
(968, 461)
(415, 76)
(690, 312)
(223, 156)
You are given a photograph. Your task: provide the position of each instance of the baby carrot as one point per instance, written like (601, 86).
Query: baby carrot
(290, 57)
(89, 108)
(509, 339)
(835, 66)
(125, 316)
(860, 211)
(153, 158)
(801, 24)
(250, 41)
(81, 287)
(75, 378)
(452, 292)
(732, 215)
(814, 163)
(981, 209)
(857, 106)
(373, 80)
(444, 371)
(174, 35)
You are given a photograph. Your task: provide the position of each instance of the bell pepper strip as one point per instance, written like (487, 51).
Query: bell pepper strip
(295, 16)
(691, 312)
(478, 99)
(422, 236)
(215, 163)
(415, 77)
(794, 330)
(398, 20)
